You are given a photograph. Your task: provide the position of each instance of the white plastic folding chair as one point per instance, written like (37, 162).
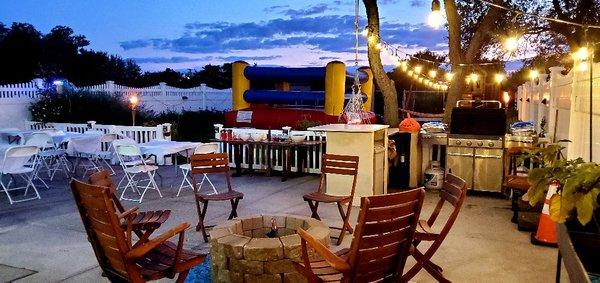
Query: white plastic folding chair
(85, 148)
(103, 156)
(185, 168)
(19, 161)
(133, 163)
(51, 158)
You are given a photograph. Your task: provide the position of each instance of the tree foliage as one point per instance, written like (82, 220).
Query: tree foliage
(27, 53)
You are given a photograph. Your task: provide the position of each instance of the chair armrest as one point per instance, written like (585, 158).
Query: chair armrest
(128, 212)
(145, 248)
(332, 259)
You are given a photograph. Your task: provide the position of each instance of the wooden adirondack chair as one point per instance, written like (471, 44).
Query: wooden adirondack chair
(454, 192)
(382, 239)
(118, 258)
(212, 163)
(145, 222)
(339, 165)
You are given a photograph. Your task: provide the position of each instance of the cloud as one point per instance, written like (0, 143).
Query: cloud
(417, 3)
(332, 33)
(312, 10)
(144, 60)
(167, 59)
(388, 2)
(275, 8)
(329, 58)
(248, 58)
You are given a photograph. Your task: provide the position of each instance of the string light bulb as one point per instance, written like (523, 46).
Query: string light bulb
(474, 77)
(378, 46)
(435, 18)
(511, 43)
(404, 65)
(449, 76)
(533, 74)
(365, 31)
(410, 72)
(499, 78)
(418, 69)
(581, 54)
(432, 74)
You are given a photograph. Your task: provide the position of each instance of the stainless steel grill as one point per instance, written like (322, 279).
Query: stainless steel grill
(476, 159)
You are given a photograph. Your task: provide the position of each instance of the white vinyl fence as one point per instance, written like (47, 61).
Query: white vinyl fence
(565, 102)
(162, 97)
(16, 98)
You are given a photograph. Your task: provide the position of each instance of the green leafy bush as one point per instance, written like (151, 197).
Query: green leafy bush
(191, 125)
(79, 106)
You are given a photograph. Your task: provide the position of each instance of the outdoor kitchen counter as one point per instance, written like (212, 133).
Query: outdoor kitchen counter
(369, 143)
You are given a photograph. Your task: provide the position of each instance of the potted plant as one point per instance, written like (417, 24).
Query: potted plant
(576, 202)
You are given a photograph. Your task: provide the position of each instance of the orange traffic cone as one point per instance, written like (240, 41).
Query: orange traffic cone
(546, 231)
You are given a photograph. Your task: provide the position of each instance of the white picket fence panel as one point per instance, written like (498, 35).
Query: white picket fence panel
(138, 133)
(564, 101)
(16, 98)
(313, 155)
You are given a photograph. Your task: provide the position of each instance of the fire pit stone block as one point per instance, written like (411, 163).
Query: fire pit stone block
(241, 251)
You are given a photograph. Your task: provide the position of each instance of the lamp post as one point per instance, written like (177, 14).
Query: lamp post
(134, 101)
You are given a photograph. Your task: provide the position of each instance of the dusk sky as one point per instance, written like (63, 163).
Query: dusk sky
(183, 34)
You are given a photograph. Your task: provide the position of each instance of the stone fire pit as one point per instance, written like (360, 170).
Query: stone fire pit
(241, 251)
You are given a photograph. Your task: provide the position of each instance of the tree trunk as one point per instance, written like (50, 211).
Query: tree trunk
(471, 52)
(385, 84)
(455, 56)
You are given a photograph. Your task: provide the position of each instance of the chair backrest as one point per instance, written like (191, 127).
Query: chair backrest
(383, 236)
(104, 230)
(210, 163)
(86, 144)
(103, 179)
(40, 139)
(339, 165)
(207, 148)
(17, 157)
(454, 192)
(108, 137)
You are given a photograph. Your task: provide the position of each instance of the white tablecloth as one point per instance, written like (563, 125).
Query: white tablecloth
(162, 148)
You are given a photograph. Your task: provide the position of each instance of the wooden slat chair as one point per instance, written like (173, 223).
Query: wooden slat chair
(120, 260)
(212, 163)
(454, 192)
(381, 243)
(340, 165)
(144, 222)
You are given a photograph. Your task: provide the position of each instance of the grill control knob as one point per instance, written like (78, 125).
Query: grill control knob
(491, 144)
(479, 143)
(457, 142)
(469, 143)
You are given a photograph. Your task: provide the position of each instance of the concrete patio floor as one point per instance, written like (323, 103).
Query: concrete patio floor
(44, 240)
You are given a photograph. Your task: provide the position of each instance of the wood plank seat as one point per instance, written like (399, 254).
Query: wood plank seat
(381, 243)
(145, 222)
(119, 259)
(453, 192)
(212, 163)
(340, 165)
(516, 184)
(322, 197)
(222, 196)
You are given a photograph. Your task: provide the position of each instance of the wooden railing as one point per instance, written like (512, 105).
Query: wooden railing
(259, 153)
